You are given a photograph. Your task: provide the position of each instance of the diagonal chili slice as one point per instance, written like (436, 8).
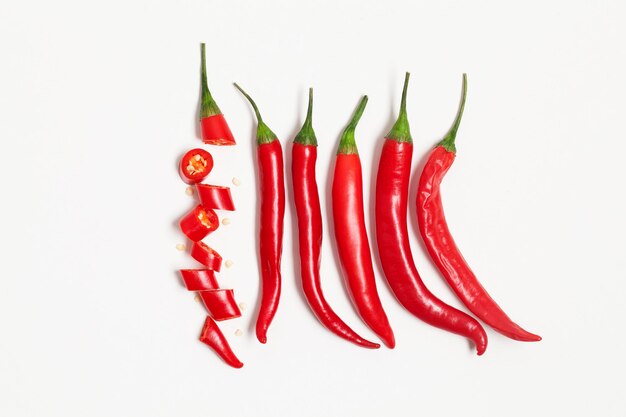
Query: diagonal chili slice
(207, 256)
(220, 304)
(199, 222)
(215, 197)
(199, 279)
(213, 337)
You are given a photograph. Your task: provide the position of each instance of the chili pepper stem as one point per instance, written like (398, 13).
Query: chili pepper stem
(208, 106)
(400, 131)
(306, 136)
(263, 133)
(347, 144)
(448, 141)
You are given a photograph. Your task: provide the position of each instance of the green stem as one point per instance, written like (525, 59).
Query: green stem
(400, 131)
(306, 136)
(208, 106)
(263, 133)
(347, 144)
(448, 141)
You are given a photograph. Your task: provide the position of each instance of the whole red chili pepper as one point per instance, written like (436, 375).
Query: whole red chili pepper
(441, 246)
(195, 165)
(304, 156)
(392, 184)
(352, 243)
(213, 337)
(272, 191)
(213, 126)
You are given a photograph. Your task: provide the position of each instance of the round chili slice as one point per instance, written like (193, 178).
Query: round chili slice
(195, 165)
(199, 222)
(215, 197)
(207, 256)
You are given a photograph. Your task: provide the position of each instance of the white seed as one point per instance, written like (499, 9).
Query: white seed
(225, 221)
(198, 157)
(228, 263)
(189, 191)
(242, 306)
(181, 247)
(236, 182)
(238, 332)
(197, 298)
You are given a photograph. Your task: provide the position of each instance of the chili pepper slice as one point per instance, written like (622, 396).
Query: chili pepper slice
(272, 194)
(199, 279)
(350, 233)
(215, 197)
(220, 304)
(304, 157)
(199, 222)
(213, 126)
(392, 186)
(195, 165)
(207, 256)
(213, 337)
(440, 244)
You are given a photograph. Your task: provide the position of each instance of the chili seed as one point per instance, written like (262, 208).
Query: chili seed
(242, 306)
(228, 263)
(238, 332)
(181, 247)
(197, 298)
(236, 182)
(189, 191)
(225, 221)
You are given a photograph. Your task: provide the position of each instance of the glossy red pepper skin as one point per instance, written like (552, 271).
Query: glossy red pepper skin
(440, 243)
(199, 279)
(392, 185)
(199, 223)
(221, 304)
(272, 195)
(306, 197)
(195, 165)
(207, 256)
(351, 236)
(215, 197)
(213, 337)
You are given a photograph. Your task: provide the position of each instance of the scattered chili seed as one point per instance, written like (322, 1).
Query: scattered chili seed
(238, 332)
(228, 263)
(242, 306)
(225, 221)
(236, 182)
(197, 298)
(181, 247)
(189, 191)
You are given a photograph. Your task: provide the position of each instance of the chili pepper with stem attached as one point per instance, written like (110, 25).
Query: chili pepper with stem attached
(440, 244)
(392, 185)
(272, 191)
(304, 157)
(352, 242)
(213, 126)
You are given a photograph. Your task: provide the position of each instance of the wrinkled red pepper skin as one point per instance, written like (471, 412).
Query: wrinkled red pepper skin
(215, 131)
(446, 255)
(213, 337)
(207, 256)
(392, 185)
(195, 228)
(310, 241)
(272, 192)
(221, 304)
(215, 197)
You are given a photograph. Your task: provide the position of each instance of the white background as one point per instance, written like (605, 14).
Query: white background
(98, 101)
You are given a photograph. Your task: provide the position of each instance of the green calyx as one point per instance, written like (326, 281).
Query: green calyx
(448, 140)
(400, 131)
(208, 106)
(347, 144)
(306, 135)
(263, 133)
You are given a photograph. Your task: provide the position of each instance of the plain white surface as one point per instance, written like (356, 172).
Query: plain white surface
(98, 101)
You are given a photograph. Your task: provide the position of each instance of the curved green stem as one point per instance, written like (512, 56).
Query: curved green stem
(448, 141)
(208, 106)
(400, 130)
(263, 133)
(347, 144)
(306, 136)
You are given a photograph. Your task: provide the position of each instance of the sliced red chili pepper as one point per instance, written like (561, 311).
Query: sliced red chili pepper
(199, 222)
(220, 304)
(199, 279)
(195, 165)
(215, 197)
(304, 153)
(206, 256)
(351, 235)
(440, 244)
(272, 190)
(392, 185)
(215, 130)
(213, 337)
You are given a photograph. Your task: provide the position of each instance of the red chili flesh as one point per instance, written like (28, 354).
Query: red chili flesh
(304, 157)
(207, 256)
(199, 223)
(195, 165)
(221, 304)
(199, 279)
(392, 184)
(440, 244)
(272, 195)
(215, 197)
(213, 337)
(351, 236)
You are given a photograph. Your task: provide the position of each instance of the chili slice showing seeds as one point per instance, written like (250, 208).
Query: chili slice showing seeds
(195, 165)
(198, 223)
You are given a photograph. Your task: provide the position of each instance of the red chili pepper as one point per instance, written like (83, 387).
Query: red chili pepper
(195, 165)
(199, 222)
(215, 130)
(213, 337)
(441, 246)
(206, 256)
(392, 184)
(220, 304)
(215, 197)
(351, 235)
(199, 279)
(304, 156)
(272, 191)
